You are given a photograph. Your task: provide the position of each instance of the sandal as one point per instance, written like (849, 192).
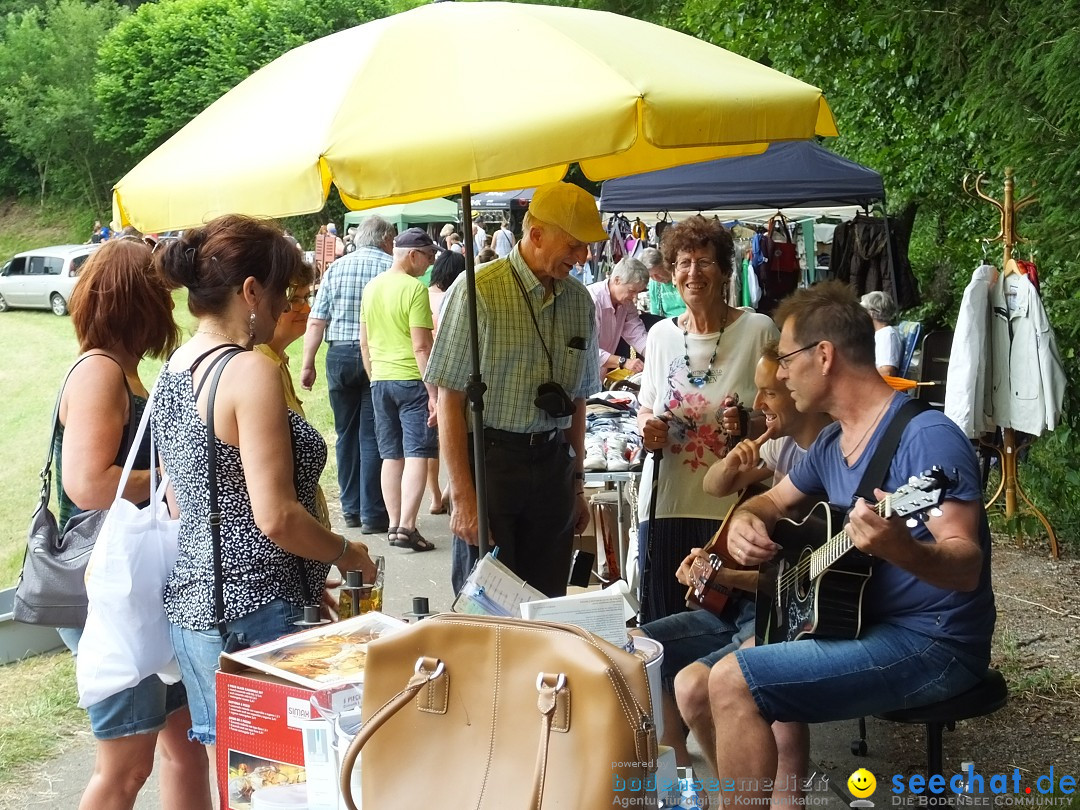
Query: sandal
(392, 533)
(411, 538)
(440, 511)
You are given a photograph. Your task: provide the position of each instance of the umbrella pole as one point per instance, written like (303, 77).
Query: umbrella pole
(475, 387)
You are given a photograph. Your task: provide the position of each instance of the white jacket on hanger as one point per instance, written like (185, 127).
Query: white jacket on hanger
(1028, 383)
(967, 388)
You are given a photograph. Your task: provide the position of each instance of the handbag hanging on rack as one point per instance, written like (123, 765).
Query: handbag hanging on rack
(51, 591)
(782, 255)
(503, 714)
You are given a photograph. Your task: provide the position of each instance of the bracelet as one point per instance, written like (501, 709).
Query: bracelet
(344, 548)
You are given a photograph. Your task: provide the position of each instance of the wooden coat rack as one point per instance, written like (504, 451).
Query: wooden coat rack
(1008, 208)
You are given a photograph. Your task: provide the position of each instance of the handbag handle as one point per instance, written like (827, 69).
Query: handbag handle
(46, 468)
(548, 686)
(783, 223)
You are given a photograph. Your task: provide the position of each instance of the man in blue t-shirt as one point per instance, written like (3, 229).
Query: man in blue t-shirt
(928, 608)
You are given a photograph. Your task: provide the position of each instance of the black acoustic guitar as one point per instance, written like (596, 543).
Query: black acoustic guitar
(814, 586)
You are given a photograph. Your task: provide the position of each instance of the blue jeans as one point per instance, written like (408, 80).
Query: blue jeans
(698, 636)
(197, 652)
(888, 667)
(359, 467)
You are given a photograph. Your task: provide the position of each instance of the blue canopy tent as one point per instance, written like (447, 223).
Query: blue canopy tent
(786, 174)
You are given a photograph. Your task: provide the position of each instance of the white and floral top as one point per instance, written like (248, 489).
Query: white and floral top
(696, 438)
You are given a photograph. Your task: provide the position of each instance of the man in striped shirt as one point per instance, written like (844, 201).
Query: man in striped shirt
(335, 315)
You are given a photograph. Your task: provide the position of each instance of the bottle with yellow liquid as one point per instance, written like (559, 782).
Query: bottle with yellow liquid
(351, 596)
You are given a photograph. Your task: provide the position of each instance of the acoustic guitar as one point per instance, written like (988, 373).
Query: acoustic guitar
(705, 591)
(814, 586)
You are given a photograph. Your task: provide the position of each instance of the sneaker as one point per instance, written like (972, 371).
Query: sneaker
(616, 454)
(595, 460)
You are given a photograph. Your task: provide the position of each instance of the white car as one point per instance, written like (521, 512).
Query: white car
(42, 278)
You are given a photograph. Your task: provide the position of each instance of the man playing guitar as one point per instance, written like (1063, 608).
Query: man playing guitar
(695, 640)
(929, 608)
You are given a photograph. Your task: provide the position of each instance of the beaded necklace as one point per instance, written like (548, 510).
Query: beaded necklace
(701, 378)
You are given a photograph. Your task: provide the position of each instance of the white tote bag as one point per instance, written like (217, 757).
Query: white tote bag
(126, 637)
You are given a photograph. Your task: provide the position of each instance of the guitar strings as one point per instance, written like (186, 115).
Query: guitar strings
(796, 572)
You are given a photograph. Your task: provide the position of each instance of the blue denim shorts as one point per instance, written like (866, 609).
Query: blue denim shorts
(888, 667)
(700, 636)
(142, 709)
(401, 414)
(198, 651)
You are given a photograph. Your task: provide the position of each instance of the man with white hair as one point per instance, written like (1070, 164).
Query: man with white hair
(335, 315)
(538, 358)
(617, 315)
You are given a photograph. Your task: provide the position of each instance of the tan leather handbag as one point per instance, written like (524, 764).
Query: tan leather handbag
(501, 714)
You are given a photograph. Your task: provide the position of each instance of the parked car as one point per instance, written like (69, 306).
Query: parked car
(42, 278)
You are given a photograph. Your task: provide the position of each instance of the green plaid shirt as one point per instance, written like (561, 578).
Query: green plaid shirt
(512, 357)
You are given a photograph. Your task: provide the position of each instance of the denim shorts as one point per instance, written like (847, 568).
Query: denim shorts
(198, 651)
(888, 667)
(401, 414)
(700, 636)
(142, 709)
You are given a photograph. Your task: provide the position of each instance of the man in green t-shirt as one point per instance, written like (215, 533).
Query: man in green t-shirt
(395, 342)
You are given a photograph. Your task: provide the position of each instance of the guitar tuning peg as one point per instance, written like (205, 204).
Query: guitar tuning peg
(935, 512)
(911, 523)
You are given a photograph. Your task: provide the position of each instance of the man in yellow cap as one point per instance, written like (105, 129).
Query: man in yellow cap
(538, 357)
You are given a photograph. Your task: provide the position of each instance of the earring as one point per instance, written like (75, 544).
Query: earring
(251, 327)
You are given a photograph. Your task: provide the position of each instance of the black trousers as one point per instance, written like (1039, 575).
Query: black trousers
(531, 493)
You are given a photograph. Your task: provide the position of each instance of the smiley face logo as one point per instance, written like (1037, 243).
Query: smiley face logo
(861, 783)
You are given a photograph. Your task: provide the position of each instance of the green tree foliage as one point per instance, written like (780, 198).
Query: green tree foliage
(170, 60)
(46, 104)
(926, 92)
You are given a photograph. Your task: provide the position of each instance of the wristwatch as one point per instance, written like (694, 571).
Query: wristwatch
(622, 362)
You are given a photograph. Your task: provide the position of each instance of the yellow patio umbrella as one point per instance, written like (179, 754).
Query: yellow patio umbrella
(617, 95)
(561, 85)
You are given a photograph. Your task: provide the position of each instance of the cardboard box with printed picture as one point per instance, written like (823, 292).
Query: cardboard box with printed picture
(264, 698)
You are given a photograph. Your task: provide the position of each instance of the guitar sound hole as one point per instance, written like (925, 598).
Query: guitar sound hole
(802, 587)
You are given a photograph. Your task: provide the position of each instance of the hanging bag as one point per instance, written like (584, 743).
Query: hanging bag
(502, 714)
(50, 591)
(126, 638)
(782, 256)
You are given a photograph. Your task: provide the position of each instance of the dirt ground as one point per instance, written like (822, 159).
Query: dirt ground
(1037, 648)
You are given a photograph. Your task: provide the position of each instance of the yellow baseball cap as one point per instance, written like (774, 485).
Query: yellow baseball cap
(569, 207)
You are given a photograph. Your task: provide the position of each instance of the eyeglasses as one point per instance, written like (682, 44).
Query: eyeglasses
(300, 300)
(702, 264)
(784, 360)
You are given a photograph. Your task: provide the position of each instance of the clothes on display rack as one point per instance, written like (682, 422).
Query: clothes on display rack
(1004, 368)
(861, 258)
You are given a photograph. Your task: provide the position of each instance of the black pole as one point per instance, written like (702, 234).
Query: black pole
(475, 388)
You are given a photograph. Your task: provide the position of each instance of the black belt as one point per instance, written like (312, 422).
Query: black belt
(343, 343)
(508, 437)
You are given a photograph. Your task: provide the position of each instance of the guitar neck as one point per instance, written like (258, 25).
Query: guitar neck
(838, 545)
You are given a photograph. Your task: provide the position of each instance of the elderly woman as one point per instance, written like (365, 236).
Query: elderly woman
(883, 312)
(122, 313)
(274, 553)
(617, 316)
(664, 299)
(693, 364)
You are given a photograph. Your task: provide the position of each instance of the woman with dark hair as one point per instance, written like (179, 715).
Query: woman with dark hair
(448, 266)
(274, 553)
(694, 363)
(122, 313)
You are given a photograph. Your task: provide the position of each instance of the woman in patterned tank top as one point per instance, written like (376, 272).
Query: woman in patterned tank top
(275, 554)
